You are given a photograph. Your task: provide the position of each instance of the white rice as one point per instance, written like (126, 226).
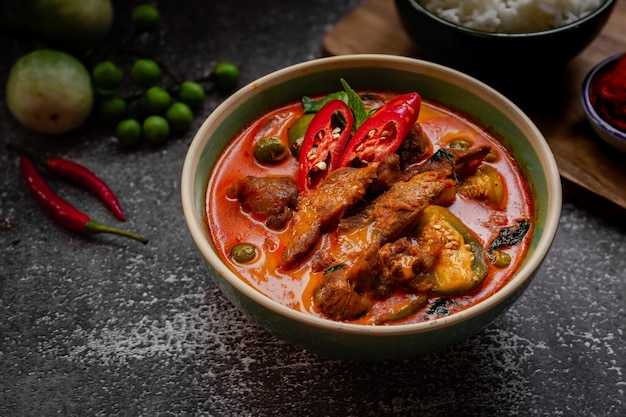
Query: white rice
(511, 16)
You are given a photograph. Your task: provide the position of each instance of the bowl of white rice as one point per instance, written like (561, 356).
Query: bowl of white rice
(504, 33)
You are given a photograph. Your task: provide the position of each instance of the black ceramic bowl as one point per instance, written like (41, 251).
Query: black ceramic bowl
(453, 43)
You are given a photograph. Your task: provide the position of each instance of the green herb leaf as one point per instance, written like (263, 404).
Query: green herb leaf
(440, 307)
(510, 236)
(348, 96)
(313, 106)
(441, 155)
(356, 105)
(334, 268)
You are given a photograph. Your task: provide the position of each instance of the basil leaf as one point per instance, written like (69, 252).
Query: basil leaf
(313, 106)
(510, 236)
(334, 268)
(356, 105)
(348, 96)
(440, 307)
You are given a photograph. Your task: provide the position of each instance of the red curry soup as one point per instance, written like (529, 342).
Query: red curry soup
(389, 210)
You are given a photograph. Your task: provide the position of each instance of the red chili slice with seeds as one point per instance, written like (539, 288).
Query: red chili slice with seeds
(324, 140)
(383, 132)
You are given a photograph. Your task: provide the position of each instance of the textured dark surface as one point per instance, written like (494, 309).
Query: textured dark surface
(104, 326)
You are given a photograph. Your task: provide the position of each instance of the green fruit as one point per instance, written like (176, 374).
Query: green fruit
(156, 100)
(145, 72)
(107, 76)
(270, 150)
(49, 92)
(128, 132)
(243, 252)
(156, 129)
(69, 25)
(191, 93)
(179, 116)
(225, 75)
(112, 109)
(146, 17)
(297, 131)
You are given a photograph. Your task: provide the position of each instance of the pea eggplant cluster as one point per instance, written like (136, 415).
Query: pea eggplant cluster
(158, 111)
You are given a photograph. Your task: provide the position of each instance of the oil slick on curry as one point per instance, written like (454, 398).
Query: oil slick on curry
(373, 207)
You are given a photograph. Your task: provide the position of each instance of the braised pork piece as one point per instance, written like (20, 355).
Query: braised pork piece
(347, 293)
(403, 238)
(271, 199)
(326, 204)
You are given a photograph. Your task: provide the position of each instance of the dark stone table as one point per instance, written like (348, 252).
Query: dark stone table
(104, 326)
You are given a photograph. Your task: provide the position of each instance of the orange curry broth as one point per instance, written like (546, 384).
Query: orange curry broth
(229, 224)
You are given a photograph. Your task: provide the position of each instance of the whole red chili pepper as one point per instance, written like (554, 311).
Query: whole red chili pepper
(82, 176)
(90, 181)
(60, 210)
(383, 132)
(324, 140)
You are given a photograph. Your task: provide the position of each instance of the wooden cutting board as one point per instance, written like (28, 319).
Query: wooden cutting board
(554, 104)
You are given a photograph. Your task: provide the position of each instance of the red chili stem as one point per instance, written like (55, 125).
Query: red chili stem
(62, 211)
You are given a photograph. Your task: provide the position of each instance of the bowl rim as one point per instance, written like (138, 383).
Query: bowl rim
(590, 110)
(205, 247)
(538, 34)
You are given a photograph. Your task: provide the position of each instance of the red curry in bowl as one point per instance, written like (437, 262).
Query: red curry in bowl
(370, 208)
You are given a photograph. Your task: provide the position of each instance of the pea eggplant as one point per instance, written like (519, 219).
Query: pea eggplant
(270, 150)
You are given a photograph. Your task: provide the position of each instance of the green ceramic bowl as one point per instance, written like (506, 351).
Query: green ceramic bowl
(432, 81)
(504, 52)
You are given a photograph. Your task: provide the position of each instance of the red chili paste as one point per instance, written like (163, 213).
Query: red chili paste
(608, 95)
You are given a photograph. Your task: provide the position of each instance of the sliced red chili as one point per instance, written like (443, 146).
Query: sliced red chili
(383, 132)
(324, 140)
